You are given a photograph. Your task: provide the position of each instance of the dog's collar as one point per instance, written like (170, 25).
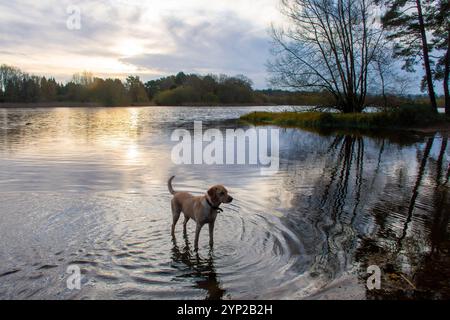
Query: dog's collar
(213, 207)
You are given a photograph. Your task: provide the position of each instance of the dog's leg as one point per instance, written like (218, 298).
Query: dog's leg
(197, 234)
(211, 234)
(176, 215)
(186, 219)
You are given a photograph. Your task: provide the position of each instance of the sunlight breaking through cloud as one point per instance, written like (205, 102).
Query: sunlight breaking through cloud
(150, 39)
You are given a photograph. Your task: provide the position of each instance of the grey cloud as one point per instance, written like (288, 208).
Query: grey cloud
(216, 44)
(43, 26)
(225, 44)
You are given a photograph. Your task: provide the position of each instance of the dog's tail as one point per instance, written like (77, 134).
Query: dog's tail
(169, 185)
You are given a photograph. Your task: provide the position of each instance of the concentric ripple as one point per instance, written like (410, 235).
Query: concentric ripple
(123, 246)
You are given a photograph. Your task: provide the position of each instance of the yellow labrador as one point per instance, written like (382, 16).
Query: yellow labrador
(202, 209)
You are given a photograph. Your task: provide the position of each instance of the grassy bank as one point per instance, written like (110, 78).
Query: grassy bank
(403, 118)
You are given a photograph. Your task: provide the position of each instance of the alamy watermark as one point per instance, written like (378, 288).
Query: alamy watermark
(236, 147)
(73, 281)
(73, 21)
(374, 280)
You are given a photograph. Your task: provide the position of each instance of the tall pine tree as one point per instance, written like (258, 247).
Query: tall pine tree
(406, 21)
(438, 20)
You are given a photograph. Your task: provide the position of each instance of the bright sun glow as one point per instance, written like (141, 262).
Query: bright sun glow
(129, 48)
(132, 154)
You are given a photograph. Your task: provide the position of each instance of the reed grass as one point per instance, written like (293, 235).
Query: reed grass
(402, 118)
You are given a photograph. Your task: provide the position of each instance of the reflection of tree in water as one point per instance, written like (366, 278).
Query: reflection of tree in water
(333, 206)
(338, 185)
(340, 201)
(374, 204)
(412, 242)
(202, 269)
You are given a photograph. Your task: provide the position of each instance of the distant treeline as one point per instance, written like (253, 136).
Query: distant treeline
(181, 89)
(19, 87)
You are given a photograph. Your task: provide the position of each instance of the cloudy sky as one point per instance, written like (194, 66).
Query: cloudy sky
(149, 38)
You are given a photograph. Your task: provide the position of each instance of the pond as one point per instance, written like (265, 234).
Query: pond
(88, 187)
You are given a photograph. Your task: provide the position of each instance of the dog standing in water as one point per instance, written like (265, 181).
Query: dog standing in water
(202, 209)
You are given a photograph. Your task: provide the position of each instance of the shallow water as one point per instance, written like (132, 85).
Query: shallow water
(87, 187)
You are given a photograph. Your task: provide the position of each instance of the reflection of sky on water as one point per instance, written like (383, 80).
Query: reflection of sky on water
(95, 180)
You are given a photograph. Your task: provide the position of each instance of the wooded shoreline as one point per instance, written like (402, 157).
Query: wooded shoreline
(63, 104)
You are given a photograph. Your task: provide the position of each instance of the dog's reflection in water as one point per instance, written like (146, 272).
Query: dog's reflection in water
(198, 267)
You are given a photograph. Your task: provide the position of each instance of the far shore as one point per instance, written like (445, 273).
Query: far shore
(64, 104)
(50, 105)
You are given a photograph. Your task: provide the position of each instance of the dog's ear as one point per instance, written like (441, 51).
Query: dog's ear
(212, 193)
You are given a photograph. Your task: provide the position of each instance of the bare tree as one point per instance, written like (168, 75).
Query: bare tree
(329, 45)
(389, 80)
